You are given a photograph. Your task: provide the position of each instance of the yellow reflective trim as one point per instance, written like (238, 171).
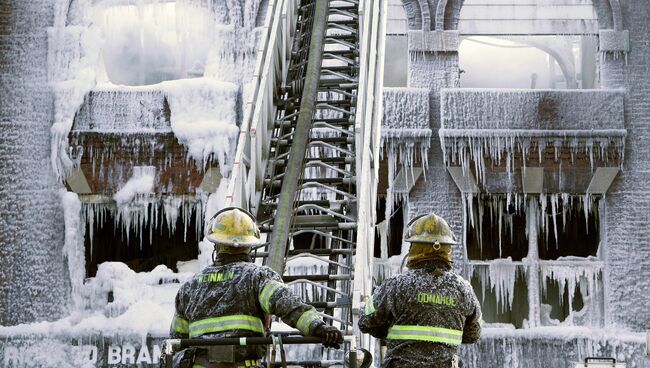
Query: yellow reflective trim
(370, 307)
(424, 338)
(427, 329)
(306, 320)
(180, 325)
(425, 333)
(267, 292)
(226, 323)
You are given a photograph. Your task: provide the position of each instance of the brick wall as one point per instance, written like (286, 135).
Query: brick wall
(33, 276)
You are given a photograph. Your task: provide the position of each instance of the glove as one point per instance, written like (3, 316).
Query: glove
(332, 337)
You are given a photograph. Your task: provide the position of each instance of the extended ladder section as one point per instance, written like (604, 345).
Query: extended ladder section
(309, 199)
(306, 161)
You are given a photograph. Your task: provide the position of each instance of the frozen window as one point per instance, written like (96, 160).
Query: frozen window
(150, 43)
(538, 251)
(142, 235)
(503, 299)
(392, 230)
(496, 229)
(396, 21)
(396, 61)
(572, 229)
(531, 62)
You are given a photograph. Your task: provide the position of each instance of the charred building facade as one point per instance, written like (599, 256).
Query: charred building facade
(541, 176)
(119, 121)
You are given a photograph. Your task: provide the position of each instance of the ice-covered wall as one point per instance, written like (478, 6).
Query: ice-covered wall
(50, 58)
(628, 203)
(34, 284)
(553, 347)
(626, 242)
(480, 108)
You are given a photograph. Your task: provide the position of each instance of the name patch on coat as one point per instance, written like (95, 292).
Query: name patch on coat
(436, 299)
(217, 277)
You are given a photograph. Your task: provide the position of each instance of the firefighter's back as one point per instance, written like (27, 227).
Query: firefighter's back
(429, 308)
(222, 301)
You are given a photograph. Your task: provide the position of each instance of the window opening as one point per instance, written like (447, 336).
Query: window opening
(528, 62)
(396, 61)
(496, 228)
(548, 244)
(150, 43)
(393, 231)
(396, 46)
(143, 236)
(573, 228)
(503, 294)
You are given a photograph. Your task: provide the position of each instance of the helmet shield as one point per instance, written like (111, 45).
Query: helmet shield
(234, 227)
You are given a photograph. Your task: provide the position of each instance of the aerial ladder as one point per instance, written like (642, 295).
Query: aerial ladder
(306, 163)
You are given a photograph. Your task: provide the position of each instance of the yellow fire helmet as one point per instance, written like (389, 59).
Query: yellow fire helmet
(430, 229)
(234, 227)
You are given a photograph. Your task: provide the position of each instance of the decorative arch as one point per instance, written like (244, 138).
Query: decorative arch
(413, 11)
(608, 12)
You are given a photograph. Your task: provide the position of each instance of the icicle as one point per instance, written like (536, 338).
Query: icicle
(554, 206)
(502, 279)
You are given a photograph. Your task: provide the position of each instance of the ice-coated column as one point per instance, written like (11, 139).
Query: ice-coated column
(34, 284)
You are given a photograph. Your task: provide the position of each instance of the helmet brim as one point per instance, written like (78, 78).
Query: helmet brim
(244, 241)
(430, 241)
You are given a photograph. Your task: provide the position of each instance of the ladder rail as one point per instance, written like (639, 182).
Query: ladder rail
(247, 173)
(284, 214)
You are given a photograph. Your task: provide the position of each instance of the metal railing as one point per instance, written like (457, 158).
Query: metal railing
(173, 346)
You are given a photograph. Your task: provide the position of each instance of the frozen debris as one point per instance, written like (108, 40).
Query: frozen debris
(139, 304)
(402, 149)
(203, 118)
(498, 275)
(522, 347)
(73, 54)
(405, 135)
(141, 183)
(502, 279)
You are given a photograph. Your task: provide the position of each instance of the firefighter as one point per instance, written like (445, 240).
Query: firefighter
(425, 313)
(233, 297)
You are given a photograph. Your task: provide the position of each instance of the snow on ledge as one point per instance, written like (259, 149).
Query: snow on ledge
(611, 333)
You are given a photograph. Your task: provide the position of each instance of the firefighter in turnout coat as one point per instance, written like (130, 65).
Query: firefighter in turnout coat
(233, 297)
(426, 312)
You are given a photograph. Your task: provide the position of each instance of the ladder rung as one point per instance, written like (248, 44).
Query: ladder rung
(323, 305)
(327, 277)
(316, 252)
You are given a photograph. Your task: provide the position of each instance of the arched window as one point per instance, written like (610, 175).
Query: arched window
(528, 44)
